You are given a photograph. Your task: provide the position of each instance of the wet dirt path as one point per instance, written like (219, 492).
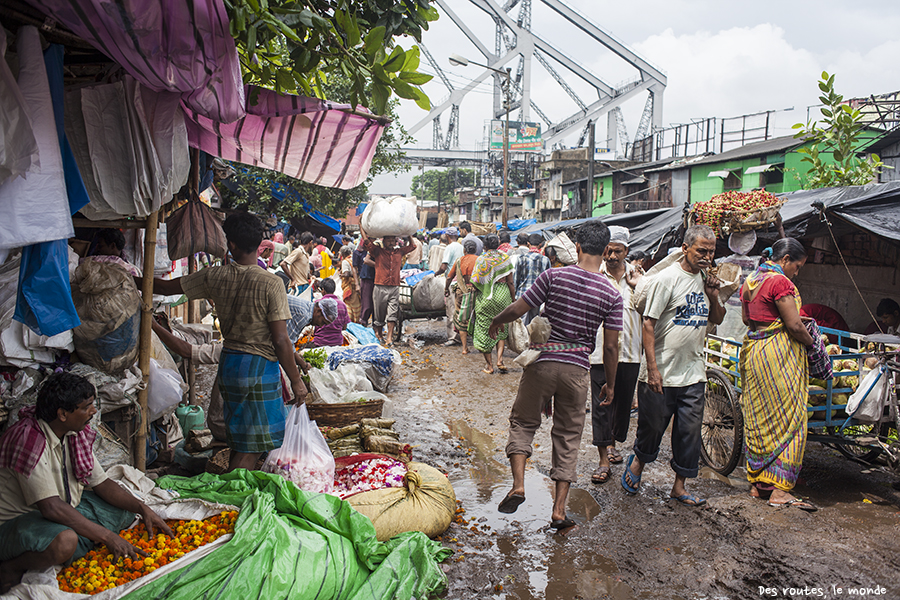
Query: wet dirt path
(645, 546)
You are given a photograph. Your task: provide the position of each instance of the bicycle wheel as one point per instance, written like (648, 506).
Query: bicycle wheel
(722, 430)
(857, 452)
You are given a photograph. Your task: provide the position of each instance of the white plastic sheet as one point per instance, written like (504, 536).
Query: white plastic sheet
(35, 208)
(130, 145)
(18, 148)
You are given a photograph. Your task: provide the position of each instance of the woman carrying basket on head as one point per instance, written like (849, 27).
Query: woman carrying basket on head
(774, 368)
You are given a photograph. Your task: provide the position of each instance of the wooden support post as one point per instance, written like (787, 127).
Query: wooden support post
(140, 438)
(189, 364)
(191, 305)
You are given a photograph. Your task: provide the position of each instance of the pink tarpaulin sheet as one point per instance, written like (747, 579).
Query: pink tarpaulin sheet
(185, 46)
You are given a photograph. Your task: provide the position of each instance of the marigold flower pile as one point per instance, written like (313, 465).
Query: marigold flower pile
(98, 570)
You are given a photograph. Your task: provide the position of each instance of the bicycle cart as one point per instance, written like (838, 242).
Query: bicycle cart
(722, 429)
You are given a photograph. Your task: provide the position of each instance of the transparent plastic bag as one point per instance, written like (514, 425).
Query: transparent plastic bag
(304, 458)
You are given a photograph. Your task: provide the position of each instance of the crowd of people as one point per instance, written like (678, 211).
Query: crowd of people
(609, 346)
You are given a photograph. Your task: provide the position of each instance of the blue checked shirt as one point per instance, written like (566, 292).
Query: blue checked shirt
(528, 267)
(301, 316)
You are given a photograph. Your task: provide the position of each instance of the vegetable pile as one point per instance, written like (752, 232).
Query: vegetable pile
(716, 212)
(367, 475)
(98, 570)
(316, 359)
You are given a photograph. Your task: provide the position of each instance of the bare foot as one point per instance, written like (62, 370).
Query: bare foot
(9, 578)
(465, 351)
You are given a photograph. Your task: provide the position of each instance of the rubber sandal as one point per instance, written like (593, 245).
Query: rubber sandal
(689, 500)
(511, 503)
(558, 524)
(614, 456)
(502, 369)
(635, 485)
(601, 475)
(804, 505)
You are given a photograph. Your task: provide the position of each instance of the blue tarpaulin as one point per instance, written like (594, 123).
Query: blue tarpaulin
(517, 224)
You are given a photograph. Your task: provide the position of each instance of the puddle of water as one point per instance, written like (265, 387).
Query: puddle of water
(426, 374)
(555, 568)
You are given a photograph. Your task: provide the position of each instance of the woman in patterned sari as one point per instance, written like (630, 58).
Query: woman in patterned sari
(461, 271)
(350, 284)
(493, 279)
(775, 376)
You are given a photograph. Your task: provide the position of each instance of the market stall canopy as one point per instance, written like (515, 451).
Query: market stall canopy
(185, 47)
(874, 207)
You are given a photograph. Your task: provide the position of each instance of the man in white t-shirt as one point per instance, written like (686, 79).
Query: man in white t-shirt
(680, 301)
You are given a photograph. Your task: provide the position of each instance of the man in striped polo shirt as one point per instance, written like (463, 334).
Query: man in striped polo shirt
(577, 301)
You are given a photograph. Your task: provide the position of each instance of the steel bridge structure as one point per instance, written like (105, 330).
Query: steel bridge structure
(517, 46)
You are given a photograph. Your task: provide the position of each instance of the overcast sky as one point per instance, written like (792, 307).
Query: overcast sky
(722, 59)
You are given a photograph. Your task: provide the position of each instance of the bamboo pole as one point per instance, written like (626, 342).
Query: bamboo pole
(191, 304)
(140, 439)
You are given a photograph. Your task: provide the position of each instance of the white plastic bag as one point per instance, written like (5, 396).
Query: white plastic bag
(389, 216)
(304, 458)
(538, 333)
(866, 404)
(330, 387)
(519, 339)
(165, 391)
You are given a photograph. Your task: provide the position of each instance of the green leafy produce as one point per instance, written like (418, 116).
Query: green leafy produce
(315, 358)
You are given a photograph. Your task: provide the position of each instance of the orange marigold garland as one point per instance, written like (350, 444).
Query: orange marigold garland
(98, 571)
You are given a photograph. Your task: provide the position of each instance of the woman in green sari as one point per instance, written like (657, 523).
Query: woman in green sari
(493, 279)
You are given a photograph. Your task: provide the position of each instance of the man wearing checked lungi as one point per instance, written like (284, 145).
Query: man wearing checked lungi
(253, 310)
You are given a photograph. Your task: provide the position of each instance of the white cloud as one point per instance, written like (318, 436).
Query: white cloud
(731, 72)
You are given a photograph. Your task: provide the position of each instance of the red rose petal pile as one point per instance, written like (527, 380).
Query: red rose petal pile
(713, 211)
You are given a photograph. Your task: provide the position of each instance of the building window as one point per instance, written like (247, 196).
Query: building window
(732, 182)
(772, 176)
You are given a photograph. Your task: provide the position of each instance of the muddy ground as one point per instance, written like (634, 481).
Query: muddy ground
(640, 547)
(644, 546)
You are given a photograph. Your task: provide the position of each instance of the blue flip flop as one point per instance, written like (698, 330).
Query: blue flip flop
(689, 500)
(635, 479)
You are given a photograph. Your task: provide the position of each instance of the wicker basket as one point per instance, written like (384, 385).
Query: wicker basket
(748, 220)
(344, 413)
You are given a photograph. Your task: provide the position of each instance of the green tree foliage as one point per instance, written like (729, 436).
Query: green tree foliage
(256, 183)
(838, 134)
(298, 46)
(438, 184)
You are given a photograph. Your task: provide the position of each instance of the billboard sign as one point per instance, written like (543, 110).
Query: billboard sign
(523, 137)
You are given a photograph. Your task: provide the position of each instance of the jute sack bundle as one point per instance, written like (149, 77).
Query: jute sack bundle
(426, 503)
(109, 307)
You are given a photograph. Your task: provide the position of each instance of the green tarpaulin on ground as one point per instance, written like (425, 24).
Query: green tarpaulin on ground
(294, 544)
